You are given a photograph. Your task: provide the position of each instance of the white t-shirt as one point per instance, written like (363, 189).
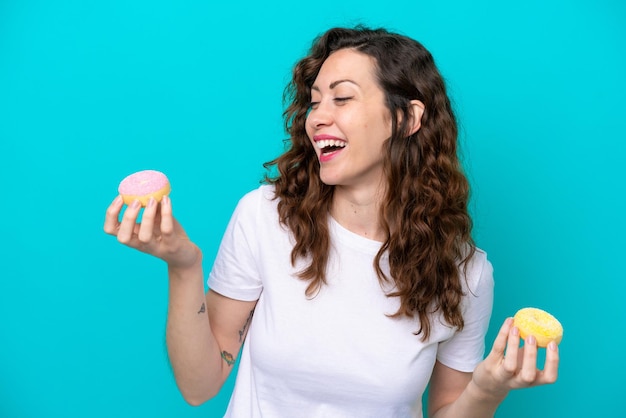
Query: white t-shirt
(337, 354)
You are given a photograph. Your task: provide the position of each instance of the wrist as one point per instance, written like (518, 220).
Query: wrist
(191, 267)
(486, 395)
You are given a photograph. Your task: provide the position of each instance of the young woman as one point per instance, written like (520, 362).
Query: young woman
(351, 274)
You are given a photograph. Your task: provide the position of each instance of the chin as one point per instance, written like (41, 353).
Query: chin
(329, 180)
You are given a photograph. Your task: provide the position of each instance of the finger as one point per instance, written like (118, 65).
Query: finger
(511, 359)
(146, 229)
(157, 221)
(167, 220)
(111, 220)
(551, 367)
(128, 225)
(499, 344)
(528, 372)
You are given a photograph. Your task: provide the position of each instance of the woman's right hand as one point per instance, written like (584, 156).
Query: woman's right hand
(158, 233)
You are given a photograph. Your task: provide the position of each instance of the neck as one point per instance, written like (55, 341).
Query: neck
(359, 211)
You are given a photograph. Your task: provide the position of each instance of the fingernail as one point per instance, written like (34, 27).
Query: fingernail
(151, 202)
(531, 340)
(515, 331)
(118, 200)
(136, 203)
(165, 200)
(552, 346)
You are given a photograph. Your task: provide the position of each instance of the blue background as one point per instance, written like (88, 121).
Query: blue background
(92, 91)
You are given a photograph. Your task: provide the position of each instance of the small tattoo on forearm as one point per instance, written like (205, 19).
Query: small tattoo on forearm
(242, 331)
(202, 309)
(228, 358)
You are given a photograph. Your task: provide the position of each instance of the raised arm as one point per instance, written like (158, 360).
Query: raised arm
(204, 331)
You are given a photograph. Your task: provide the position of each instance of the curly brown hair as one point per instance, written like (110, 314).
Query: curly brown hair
(424, 212)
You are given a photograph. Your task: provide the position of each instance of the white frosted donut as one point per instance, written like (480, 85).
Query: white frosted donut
(143, 185)
(540, 324)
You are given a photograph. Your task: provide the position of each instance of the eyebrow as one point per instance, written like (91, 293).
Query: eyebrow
(335, 83)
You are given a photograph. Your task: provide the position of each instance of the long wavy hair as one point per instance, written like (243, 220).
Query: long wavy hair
(424, 212)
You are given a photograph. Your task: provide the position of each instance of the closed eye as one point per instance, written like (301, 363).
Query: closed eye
(340, 100)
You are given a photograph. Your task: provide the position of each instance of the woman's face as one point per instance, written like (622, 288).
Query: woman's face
(348, 120)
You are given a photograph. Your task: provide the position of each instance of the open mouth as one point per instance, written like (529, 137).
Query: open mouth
(328, 146)
(328, 150)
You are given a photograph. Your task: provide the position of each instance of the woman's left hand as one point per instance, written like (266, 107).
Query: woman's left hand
(509, 366)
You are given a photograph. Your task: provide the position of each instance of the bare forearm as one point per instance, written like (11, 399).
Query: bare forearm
(472, 403)
(192, 348)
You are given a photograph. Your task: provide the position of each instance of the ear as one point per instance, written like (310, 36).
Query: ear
(417, 110)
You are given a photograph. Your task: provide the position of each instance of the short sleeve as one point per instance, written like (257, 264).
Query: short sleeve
(466, 348)
(235, 273)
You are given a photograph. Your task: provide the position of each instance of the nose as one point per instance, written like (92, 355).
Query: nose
(319, 116)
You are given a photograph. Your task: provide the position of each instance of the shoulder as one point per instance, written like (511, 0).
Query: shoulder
(259, 199)
(478, 271)
(265, 192)
(256, 210)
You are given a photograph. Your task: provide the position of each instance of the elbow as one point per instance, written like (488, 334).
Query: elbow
(195, 401)
(195, 398)
(198, 388)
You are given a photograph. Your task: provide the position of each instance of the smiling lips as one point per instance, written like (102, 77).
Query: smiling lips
(329, 146)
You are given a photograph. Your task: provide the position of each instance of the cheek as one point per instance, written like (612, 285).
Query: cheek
(309, 131)
(386, 124)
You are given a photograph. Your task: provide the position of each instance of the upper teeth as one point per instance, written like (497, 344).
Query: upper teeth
(330, 143)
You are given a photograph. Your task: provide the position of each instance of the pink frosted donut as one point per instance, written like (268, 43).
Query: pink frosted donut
(143, 185)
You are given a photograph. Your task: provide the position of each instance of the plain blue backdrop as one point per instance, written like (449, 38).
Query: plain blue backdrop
(91, 91)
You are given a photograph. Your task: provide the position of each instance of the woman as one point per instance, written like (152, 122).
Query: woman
(351, 273)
